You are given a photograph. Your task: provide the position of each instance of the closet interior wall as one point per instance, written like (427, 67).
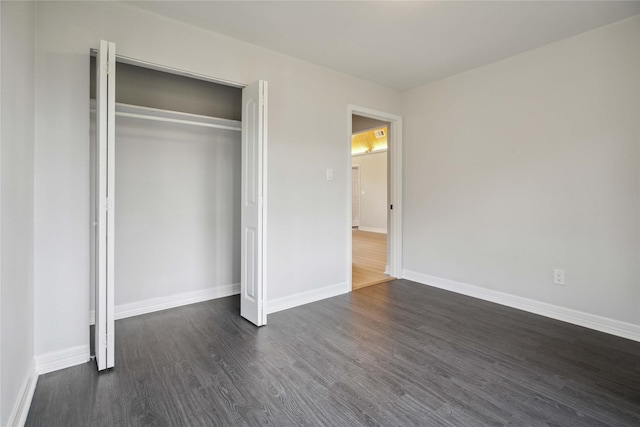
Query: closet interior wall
(177, 199)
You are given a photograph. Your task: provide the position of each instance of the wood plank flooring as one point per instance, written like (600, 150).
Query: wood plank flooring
(394, 354)
(369, 259)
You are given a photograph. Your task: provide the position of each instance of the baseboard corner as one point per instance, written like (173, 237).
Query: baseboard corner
(306, 297)
(20, 410)
(56, 360)
(151, 305)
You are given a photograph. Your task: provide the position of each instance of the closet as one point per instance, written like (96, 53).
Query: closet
(177, 203)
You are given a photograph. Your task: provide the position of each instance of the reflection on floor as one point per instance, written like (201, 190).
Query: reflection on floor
(369, 258)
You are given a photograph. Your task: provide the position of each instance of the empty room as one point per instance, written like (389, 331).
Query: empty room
(220, 213)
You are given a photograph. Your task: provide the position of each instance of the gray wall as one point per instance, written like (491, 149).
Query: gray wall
(177, 209)
(16, 201)
(530, 164)
(139, 86)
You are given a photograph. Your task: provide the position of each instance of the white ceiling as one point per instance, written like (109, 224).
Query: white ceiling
(395, 43)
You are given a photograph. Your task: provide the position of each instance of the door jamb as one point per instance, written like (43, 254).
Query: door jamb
(394, 177)
(356, 166)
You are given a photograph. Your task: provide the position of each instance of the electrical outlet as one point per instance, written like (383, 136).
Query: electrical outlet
(558, 277)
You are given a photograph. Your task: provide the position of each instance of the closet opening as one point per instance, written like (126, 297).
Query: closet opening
(177, 173)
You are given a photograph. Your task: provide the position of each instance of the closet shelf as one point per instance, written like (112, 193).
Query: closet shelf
(168, 116)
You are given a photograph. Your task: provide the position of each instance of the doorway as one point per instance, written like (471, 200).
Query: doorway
(375, 204)
(369, 172)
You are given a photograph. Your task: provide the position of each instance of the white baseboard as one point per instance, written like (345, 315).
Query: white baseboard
(592, 321)
(302, 298)
(23, 402)
(163, 303)
(57, 360)
(373, 230)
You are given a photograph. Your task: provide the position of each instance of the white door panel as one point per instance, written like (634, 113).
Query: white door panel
(105, 183)
(252, 264)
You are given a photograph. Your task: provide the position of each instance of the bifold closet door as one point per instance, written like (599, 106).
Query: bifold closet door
(105, 183)
(253, 211)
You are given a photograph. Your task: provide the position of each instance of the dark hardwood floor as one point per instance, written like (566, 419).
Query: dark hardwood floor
(396, 354)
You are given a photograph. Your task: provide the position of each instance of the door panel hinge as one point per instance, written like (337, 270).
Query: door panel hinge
(107, 204)
(107, 341)
(110, 67)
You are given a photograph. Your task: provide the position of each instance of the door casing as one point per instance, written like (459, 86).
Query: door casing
(355, 223)
(107, 301)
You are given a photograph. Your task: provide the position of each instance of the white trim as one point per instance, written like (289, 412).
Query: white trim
(591, 321)
(171, 70)
(163, 303)
(356, 223)
(373, 229)
(151, 305)
(394, 186)
(307, 297)
(23, 402)
(62, 359)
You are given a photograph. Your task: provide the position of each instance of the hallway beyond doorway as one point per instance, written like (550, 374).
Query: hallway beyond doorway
(369, 258)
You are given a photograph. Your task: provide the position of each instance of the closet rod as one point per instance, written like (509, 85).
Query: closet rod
(180, 121)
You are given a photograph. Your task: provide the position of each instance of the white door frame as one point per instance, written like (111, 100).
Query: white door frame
(171, 70)
(104, 204)
(394, 179)
(356, 166)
